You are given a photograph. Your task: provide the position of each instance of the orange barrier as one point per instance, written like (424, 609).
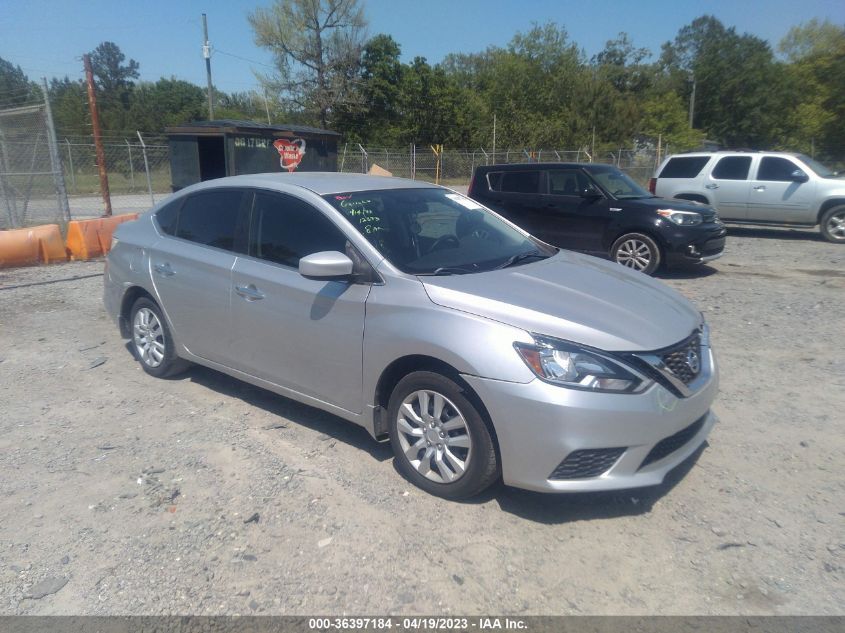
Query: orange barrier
(33, 245)
(87, 239)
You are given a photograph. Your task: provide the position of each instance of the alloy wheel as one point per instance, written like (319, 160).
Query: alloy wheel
(836, 225)
(434, 436)
(634, 253)
(148, 337)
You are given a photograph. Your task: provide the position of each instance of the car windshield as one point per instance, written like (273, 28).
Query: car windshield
(618, 184)
(816, 166)
(435, 231)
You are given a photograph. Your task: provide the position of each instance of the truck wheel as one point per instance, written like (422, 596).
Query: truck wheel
(832, 224)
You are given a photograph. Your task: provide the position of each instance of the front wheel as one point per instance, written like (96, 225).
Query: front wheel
(636, 251)
(832, 225)
(440, 440)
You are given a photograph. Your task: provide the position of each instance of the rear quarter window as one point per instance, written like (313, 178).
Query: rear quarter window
(684, 167)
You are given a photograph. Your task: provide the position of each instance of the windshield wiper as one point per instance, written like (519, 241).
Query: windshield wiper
(520, 257)
(450, 270)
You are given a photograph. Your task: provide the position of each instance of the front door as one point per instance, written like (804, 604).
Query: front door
(569, 218)
(303, 334)
(777, 197)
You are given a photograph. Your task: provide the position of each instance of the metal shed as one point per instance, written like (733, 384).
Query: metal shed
(203, 150)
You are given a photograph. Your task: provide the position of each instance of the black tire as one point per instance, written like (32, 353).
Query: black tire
(169, 364)
(832, 224)
(481, 462)
(637, 251)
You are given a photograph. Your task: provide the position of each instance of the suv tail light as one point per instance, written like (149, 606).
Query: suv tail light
(652, 185)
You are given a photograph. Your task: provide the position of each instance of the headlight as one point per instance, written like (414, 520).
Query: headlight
(681, 218)
(569, 365)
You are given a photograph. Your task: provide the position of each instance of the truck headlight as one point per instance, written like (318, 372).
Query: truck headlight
(681, 218)
(568, 365)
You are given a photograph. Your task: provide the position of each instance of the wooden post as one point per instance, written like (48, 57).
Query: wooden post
(98, 139)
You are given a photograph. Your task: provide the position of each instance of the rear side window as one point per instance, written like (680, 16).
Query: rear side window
(569, 182)
(213, 218)
(732, 168)
(168, 215)
(684, 167)
(285, 229)
(515, 181)
(776, 168)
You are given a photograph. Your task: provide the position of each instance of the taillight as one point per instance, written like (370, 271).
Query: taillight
(652, 185)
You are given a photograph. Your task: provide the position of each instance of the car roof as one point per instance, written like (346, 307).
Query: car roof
(320, 183)
(735, 152)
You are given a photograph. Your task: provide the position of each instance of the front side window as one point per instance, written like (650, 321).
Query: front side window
(732, 168)
(435, 231)
(776, 168)
(568, 182)
(286, 229)
(618, 184)
(213, 218)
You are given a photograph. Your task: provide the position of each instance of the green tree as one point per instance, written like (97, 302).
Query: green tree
(15, 87)
(316, 45)
(167, 102)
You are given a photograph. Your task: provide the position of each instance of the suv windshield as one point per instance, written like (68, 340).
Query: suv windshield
(816, 166)
(618, 184)
(435, 231)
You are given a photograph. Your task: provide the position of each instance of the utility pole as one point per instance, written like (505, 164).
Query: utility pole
(206, 52)
(266, 106)
(494, 138)
(692, 103)
(98, 138)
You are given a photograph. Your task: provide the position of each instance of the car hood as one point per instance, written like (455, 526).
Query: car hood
(574, 297)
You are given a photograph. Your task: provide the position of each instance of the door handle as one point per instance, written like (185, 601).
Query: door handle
(164, 270)
(250, 292)
(760, 188)
(711, 186)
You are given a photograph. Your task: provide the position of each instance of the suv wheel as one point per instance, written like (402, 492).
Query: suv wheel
(636, 251)
(441, 442)
(833, 224)
(151, 341)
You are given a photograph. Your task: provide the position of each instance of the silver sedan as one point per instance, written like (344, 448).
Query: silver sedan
(480, 352)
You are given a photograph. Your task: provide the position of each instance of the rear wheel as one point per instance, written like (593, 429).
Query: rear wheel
(440, 440)
(832, 224)
(152, 343)
(636, 251)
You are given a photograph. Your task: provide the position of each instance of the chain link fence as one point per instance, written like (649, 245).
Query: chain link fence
(31, 182)
(454, 167)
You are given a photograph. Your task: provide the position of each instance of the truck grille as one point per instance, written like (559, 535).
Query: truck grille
(587, 463)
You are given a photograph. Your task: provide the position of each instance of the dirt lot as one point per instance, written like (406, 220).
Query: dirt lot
(122, 494)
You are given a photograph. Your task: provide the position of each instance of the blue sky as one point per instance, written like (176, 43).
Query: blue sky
(47, 37)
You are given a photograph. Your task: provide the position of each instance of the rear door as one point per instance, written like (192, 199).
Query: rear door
(776, 197)
(302, 334)
(728, 185)
(569, 219)
(191, 268)
(516, 195)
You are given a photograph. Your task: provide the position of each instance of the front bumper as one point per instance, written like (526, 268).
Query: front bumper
(538, 425)
(696, 247)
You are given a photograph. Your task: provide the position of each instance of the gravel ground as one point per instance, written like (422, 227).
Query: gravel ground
(123, 494)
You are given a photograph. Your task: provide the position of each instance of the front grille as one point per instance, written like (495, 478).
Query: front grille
(685, 360)
(587, 463)
(669, 445)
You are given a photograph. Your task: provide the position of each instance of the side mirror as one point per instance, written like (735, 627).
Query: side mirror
(590, 193)
(326, 265)
(799, 176)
